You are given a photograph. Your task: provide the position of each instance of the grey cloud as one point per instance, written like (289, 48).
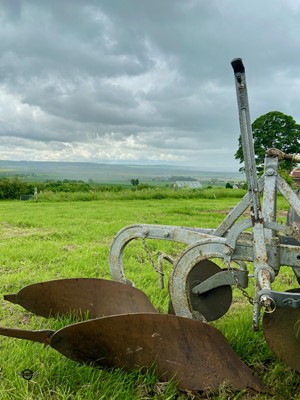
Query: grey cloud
(134, 75)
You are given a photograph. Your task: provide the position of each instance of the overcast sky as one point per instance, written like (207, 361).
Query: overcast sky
(141, 81)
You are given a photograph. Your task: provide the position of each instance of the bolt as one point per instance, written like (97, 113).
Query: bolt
(227, 251)
(270, 171)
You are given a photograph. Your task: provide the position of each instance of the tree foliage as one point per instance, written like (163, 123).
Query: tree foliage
(13, 188)
(273, 129)
(134, 182)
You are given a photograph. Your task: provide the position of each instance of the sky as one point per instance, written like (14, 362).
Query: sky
(140, 81)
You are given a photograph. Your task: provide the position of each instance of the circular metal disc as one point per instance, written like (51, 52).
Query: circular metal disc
(213, 304)
(282, 333)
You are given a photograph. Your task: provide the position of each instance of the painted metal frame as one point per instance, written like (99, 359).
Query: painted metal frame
(268, 246)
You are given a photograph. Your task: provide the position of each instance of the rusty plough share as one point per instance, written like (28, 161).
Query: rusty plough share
(125, 330)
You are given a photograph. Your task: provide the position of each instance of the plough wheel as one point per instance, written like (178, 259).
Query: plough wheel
(282, 333)
(213, 304)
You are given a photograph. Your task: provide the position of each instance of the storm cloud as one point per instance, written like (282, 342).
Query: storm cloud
(141, 81)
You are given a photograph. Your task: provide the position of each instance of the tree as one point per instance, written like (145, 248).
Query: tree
(273, 129)
(134, 182)
(12, 188)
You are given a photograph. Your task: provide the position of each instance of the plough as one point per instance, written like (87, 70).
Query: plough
(199, 288)
(125, 330)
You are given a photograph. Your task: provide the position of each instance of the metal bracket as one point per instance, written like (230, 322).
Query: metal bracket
(282, 299)
(222, 278)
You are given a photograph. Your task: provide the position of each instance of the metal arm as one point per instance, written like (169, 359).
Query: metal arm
(263, 272)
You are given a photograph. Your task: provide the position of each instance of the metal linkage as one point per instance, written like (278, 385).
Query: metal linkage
(178, 234)
(159, 268)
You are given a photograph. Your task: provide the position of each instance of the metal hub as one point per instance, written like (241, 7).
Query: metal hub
(213, 304)
(282, 333)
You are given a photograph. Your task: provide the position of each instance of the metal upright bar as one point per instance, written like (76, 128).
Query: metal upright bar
(247, 137)
(264, 274)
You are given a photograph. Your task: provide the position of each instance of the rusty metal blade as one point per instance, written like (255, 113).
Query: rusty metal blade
(95, 297)
(195, 354)
(41, 336)
(282, 333)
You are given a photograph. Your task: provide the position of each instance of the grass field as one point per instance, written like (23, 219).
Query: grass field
(50, 240)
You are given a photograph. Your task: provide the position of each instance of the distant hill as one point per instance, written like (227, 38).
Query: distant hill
(107, 173)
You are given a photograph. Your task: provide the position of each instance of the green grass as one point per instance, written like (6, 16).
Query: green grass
(141, 193)
(58, 239)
